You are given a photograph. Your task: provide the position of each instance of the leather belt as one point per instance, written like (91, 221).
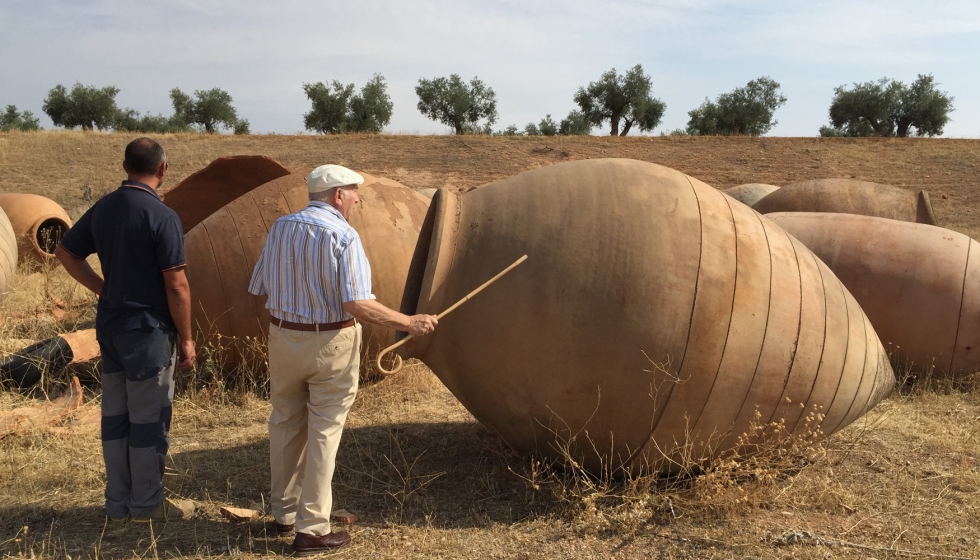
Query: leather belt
(313, 327)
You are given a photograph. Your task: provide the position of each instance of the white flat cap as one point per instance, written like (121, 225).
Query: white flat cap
(330, 176)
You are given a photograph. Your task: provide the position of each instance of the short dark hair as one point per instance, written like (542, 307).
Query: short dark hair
(144, 156)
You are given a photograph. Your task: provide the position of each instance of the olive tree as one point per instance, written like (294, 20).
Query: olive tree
(129, 120)
(455, 103)
(209, 109)
(889, 108)
(87, 107)
(337, 109)
(547, 127)
(575, 124)
(746, 111)
(12, 119)
(621, 98)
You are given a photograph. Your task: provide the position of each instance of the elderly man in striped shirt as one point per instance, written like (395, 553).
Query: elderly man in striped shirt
(318, 279)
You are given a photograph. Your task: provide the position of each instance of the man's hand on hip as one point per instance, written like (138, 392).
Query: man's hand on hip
(187, 354)
(420, 325)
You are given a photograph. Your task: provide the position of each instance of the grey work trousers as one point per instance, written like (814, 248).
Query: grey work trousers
(137, 404)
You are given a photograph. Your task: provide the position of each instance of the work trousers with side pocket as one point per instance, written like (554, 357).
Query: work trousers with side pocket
(137, 405)
(313, 378)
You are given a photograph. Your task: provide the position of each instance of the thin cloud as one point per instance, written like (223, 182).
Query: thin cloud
(534, 54)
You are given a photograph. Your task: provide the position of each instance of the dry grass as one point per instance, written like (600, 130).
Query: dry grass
(426, 479)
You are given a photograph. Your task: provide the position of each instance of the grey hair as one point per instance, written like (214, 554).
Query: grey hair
(323, 196)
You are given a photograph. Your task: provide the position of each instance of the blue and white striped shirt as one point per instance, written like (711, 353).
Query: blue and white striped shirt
(312, 263)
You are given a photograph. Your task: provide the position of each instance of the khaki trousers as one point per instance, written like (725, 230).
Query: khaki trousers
(313, 378)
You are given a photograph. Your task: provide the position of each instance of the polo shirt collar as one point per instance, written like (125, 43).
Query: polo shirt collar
(140, 186)
(327, 207)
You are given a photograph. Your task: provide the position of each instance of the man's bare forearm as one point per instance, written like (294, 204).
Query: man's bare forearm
(370, 311)
(179, 301)
(80, 270)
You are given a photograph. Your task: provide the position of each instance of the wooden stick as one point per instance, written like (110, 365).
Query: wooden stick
(467, 297)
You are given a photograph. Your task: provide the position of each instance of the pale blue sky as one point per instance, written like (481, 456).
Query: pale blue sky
(533, 53)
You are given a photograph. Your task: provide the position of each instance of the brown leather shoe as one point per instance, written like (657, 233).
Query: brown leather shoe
(285, 529)
(308, 545)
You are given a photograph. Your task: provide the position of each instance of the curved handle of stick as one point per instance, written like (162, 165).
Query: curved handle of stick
(398, 364)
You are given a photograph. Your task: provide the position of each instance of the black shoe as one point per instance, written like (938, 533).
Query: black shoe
(308, 545)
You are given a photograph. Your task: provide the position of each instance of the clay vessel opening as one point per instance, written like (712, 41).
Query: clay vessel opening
(416, 270)
(48, 234)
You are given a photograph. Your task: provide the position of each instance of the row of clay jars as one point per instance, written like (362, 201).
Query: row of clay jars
(8, 253)
(37, 223)
(222, 250)
(918, 283)
(655, 322)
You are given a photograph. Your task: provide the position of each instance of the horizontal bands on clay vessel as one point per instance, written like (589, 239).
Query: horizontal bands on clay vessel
(918, 284)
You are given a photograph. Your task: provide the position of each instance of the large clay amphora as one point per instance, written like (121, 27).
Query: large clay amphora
(750, 193)
(223, 248)
(8, 254)
(850, 196)
(655, 321)
(38, 224)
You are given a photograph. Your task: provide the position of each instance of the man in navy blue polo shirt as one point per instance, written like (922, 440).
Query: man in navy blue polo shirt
(143, 318)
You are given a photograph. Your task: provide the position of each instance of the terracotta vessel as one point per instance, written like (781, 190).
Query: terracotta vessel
(849, 196)
(222, 181)
(654, 318)
(919, 284)
(223, 248)
(26, 367)
(8, 253)
(750, 193)
(38, 224)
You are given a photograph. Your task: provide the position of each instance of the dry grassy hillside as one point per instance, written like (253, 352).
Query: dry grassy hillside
(425, 478)
(63, 165)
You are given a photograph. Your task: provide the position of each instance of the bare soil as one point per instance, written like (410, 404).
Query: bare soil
(424, 477)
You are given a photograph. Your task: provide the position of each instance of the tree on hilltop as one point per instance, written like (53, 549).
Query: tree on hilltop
(889, 108)
(337, 109)
(576, 123)
(130, 120)
(454, 103)
(12, 119)
(547, 127)
(87, 107)
(746, 111)
(625, 99)
(209, 109)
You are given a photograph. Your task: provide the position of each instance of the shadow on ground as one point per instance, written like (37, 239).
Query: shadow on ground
(439, 475)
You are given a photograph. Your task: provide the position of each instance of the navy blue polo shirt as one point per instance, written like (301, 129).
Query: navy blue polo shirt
(137, 238)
